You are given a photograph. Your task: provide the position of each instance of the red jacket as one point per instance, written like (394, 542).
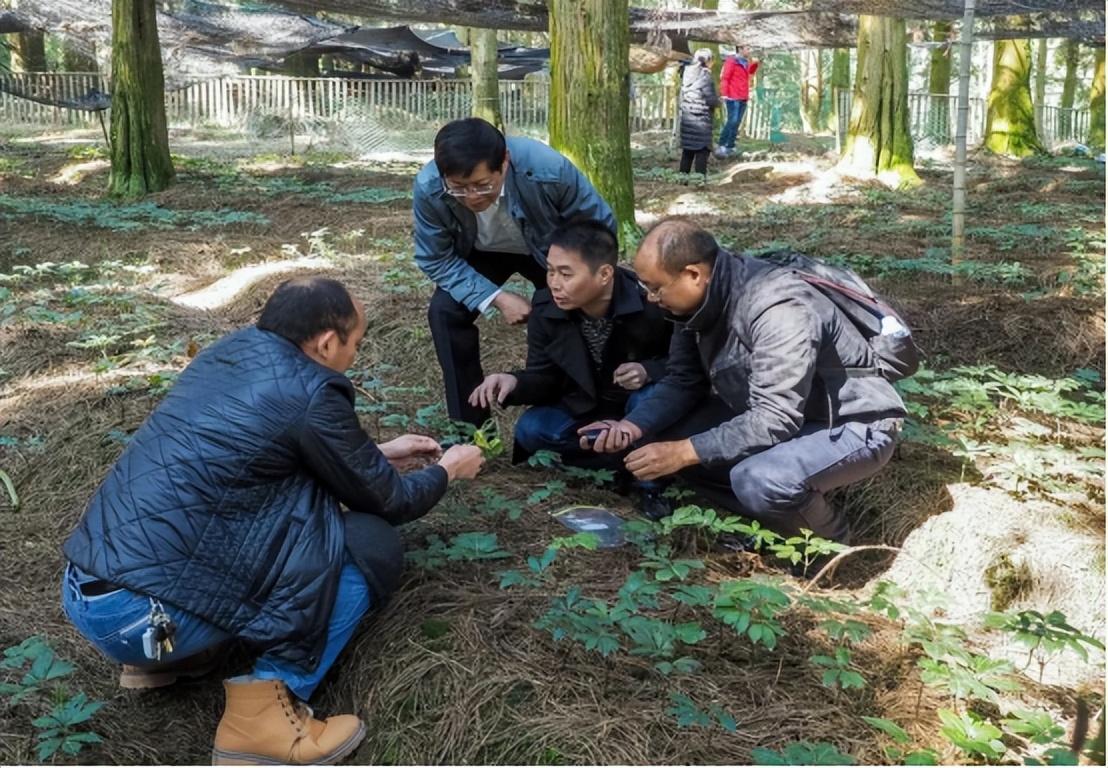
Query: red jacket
(734, 81)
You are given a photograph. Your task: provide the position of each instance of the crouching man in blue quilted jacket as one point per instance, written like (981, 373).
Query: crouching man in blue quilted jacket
(224, 519)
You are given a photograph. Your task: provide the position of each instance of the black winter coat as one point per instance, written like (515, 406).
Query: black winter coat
(559, 369)
(226, 501)
(698, 98)
(777, 351)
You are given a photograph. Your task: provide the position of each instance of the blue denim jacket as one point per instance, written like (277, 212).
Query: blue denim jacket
(545, 190)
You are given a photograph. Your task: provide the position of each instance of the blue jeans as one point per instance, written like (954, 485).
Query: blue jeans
(552, 428)
(115, 622)
(736, 109)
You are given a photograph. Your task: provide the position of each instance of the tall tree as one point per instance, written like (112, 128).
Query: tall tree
(811, 89)
(878, 140)
(938, 74)
(1010, 120)
(590, 95)
(1039, 99)
(840, 82)
(28, 52)
(1071, 51)
(483, 74)
(1096, 103)
(140, 139)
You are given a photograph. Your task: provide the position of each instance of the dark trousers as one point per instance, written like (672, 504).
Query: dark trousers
(785, 486)
(700, 156)
(455, 335)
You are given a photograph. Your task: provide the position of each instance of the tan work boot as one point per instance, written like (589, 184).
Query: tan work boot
(263, 725)
(198, 665)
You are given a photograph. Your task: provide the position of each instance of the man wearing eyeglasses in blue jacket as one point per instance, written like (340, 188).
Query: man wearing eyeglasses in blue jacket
(484, 210)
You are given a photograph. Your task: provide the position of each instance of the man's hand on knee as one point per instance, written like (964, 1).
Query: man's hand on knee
(660, 459)
(494, 389)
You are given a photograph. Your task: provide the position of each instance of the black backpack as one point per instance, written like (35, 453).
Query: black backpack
(895, 353)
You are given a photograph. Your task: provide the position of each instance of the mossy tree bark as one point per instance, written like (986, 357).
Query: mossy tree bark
(28, 52)
(590, 94)
(878, 140)
(938, 73)
(1038, 101)
(483, 74)
(1096, 103)
(1010, 121)
(140, 140)
(811, 90)
(1071, 51)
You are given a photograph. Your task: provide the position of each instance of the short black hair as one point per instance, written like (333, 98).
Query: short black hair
(679, 243)
(462, 145)
(591, 240)
(301, 308)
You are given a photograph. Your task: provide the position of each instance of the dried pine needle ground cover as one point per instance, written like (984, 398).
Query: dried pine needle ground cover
(675, 650)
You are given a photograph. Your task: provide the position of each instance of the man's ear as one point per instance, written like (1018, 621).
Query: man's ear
(322, 346)
(700, 273)
(606, 272)
(507, 159)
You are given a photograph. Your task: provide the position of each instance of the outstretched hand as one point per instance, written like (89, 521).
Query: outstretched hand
(409, 451)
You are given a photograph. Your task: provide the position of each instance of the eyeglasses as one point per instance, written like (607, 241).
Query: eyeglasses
(656, 293)
(475, 190)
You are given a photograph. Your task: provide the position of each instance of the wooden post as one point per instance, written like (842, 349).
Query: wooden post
(958, 217)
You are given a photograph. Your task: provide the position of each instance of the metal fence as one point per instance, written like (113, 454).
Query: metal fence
(402, 115)
(932, 116)
(370, 115)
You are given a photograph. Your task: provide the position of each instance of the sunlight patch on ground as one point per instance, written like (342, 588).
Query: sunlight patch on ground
(693, 203)
(226, 289)
(71, 175)
(67, 380)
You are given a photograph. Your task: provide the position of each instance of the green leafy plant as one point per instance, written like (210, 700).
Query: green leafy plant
(658, 559)
(689, 715)
(750, 607)
(801, 753)
(898, 754)
(471, 546)
(839, 670)
(1036, 727)
(58, 730)
(537, 571)
(1044, 635)
(972, 735)
(545, 492)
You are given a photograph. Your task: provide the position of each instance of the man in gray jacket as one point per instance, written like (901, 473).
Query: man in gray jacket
(484, 210)
(766, 405)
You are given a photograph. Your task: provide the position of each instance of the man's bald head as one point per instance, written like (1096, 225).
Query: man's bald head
(676, 243)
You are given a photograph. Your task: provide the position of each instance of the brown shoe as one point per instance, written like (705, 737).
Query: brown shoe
(263, 725)
(197, 665)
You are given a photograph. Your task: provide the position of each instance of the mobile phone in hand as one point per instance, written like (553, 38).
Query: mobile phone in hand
(591, 436)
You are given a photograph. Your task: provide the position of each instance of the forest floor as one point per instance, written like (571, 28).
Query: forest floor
(994, 502)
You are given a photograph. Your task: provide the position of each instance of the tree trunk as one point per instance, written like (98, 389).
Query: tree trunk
(878, 140)
(1071, 51)
(1039, 99)
(140, 140)
(483, 74)
(840, 82)
(958, 202)
(811, 90)
(1096, 103)
(590, 95)
(28, 52)
(938, 75)
(1010, 121)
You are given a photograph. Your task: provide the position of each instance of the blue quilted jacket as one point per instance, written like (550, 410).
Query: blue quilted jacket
(226, 503)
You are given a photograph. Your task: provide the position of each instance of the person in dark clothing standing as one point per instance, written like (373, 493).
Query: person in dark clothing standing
(484, 209)
(698, 100)
(223, 520)
(771, 398)
(594, 346)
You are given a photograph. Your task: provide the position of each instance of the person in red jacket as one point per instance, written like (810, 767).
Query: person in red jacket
(734, 87)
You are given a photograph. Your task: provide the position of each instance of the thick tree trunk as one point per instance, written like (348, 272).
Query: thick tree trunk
(29, 52)
(1039, 99)
(140, 140)
(811, 90)
(1096, 103)
(483, 74)
(938, 74)
(840, 82)
(879, 140)
(1010, 121)
(590, 94)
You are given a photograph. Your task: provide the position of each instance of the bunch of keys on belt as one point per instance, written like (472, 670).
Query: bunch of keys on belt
(158, 637)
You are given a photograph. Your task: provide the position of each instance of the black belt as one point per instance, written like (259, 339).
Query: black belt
(97, 588)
